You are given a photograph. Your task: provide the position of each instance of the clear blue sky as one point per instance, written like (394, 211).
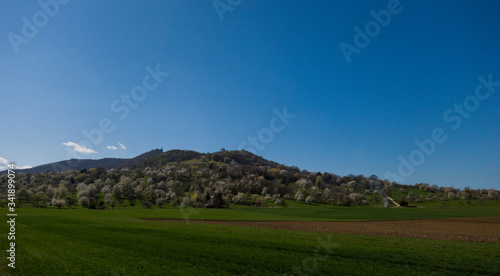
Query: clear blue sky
(226, 77)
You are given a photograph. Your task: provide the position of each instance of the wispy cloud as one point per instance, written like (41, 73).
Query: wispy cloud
(79, 148)
(122, 146)
(4, 161)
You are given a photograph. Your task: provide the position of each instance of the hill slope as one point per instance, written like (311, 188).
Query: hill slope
(78, 164)
(153, 158)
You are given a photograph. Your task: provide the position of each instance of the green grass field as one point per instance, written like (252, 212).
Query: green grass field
(114, 242)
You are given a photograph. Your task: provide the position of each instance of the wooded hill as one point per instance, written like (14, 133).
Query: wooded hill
(190, 178)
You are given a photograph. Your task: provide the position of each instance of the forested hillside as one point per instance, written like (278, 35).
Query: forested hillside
(214, 180)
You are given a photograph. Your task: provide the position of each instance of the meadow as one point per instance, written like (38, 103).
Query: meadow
(80, 241)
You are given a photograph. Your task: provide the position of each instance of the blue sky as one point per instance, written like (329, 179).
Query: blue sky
(225, 78)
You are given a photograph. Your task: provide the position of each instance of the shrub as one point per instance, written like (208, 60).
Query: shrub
(309, 199)
(186, 202)
(240, 199)
(146, 204)
(84, 201)
(303, 183)
(299, 196)
(161, 201)
(101, 204)
(357, 198)
(58, 202)
(280, 202)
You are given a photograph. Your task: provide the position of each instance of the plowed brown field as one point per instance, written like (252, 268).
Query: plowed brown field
(459, 229)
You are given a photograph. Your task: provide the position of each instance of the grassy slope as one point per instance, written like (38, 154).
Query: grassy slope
(296, 211)
(114, 242)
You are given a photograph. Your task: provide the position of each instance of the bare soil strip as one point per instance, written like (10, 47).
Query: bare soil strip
(458, 229)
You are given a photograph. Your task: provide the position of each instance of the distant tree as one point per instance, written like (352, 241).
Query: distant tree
(81, 186)
(42, 188)
(58, 202)
(207, 197)
(161, 201)
(356, 198)
(319, 179)
(117, 190)
(23, 195)
(92, 191)
(493, 194)
(280, 202)
(352, 186)
(186, 202)
(215, 157)
(240, 198)
(108, 198)
(84, 201)
(411, 197)
(106, 189)
(37, 198)
(61, 192)
(146, 204)
(100, 204)
(303, 183)
(70, 201)
(309, 199)
(50, 193)
(81, 177)
(340, 199)
(254, 198)
(299, 196)
(99, 184)
(217, 200)
(175, 202)
(159, 193)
